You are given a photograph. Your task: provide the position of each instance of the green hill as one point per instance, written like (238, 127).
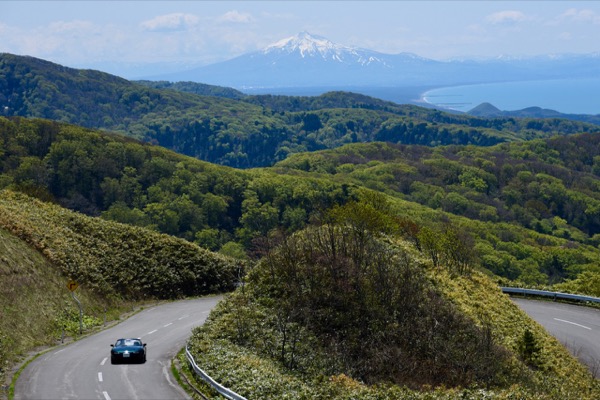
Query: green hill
(350, 310)
(487, 110)
(242, 131)
(196, 88)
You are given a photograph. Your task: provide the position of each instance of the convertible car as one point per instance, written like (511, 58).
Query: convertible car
(128, 350)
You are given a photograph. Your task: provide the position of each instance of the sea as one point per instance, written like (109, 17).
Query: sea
(568, 96)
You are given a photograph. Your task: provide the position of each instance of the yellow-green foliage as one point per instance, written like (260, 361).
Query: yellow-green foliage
(556, 372)
(587, 282)
(35, 304)
(115, 259)
(42, 246)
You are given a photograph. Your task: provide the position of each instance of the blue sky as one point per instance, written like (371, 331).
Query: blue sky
(94, 34)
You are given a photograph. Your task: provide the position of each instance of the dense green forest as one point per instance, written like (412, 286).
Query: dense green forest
(220, 126)
(144, 185)
(196, 88)
(534, 183)
(546, 186)
(531, 208)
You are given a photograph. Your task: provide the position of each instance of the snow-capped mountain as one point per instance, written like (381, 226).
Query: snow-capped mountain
(307, 60)
(306, 45)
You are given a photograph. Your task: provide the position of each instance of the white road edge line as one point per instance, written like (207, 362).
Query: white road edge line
(104, 361)
(99, 376)
(151, 332)
(106, 396)
(170, 323)
(573, 323)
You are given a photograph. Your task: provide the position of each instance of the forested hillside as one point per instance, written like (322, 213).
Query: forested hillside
(549, 187)
(144, 185)
(242, 131)
(530, 208)
(196, 88)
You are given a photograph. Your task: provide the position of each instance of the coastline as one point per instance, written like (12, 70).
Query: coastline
(454, 105)
(566, 96)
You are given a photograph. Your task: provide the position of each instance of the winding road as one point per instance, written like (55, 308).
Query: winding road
(82, 370)
(576, 327)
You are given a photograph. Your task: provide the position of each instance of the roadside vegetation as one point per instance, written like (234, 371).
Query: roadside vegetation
(346, 309)
(117, 267)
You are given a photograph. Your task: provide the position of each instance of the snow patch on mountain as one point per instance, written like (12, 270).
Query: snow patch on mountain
(307, 45)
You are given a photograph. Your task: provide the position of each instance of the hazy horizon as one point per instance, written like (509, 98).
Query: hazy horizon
(119, 37)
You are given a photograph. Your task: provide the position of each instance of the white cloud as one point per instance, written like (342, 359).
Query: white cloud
(506, 17)
(576, 15)
(236, 16)
(170, 22)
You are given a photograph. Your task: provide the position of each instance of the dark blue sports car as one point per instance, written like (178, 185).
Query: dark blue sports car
(128, 350)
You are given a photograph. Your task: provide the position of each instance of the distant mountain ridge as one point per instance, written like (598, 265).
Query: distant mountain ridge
(487, 110)
(227, 127)
(307, 60)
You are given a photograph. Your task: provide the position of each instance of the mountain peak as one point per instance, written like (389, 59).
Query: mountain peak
(308, 45)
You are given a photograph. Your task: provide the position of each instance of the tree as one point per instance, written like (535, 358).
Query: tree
(457, 249)
(431, 244)
(529, 348)
(311, 122)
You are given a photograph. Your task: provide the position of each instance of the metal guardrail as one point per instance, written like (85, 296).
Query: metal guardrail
(554, 295)
(227, 393)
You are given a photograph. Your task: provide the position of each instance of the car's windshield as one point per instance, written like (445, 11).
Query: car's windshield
(128, 342)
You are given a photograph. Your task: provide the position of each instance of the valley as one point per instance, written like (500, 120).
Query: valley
(311, 213)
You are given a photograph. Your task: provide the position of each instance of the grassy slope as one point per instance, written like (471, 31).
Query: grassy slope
(35, 303)
(557, 371)
(116, 260)
(43, 245)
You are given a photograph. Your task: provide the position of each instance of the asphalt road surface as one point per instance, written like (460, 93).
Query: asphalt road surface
(82, 369)
(576, 327)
